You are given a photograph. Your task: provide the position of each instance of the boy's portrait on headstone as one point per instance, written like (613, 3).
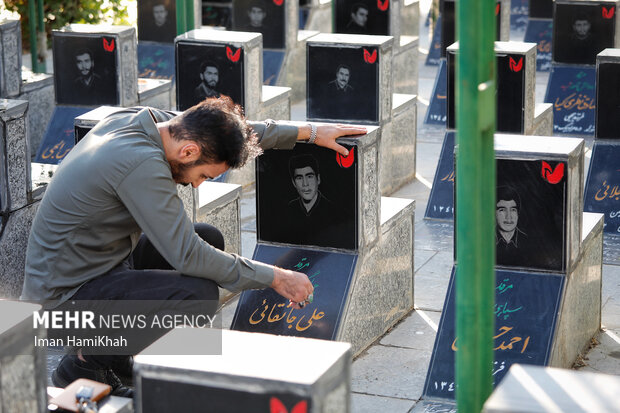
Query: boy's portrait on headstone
(262, 16)
(581, 31)
(85, 69)
(360, 17)
(343, 83)
(530, 213)
(208, 70)
(305, 197)
(157, 20)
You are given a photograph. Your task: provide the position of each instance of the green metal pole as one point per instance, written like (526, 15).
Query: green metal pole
(475, 202)
(189, 15)
(42, 36)
(181, 18)
(32, 23)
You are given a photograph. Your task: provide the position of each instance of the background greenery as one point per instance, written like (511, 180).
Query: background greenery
(58, 13)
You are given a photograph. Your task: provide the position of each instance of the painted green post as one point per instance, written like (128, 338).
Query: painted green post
(189, 15)
(181, 17)
(475, 203)
(42, 36)
(32, 23)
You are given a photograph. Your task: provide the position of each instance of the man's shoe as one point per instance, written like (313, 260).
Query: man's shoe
(72, 368)
(124, 370)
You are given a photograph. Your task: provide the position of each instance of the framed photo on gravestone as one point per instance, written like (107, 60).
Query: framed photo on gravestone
(85, 69)
(262, 16)
(531, 214)
(362, 17)
(157, 20)
(343, 83)
(582, 30)
(208, 70)
(307, 196)
(541, 9)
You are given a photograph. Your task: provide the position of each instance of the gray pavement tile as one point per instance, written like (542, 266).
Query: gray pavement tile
(365, 403)
(611, 249)
(611, 282)
(605, 357)
(391, 371)
(431, 282)
(422, 257)
(434, 235)
(610, 317)
(227, 311)
(415, 332)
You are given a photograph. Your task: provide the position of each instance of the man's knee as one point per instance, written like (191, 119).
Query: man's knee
(210, 234)
(200, 289)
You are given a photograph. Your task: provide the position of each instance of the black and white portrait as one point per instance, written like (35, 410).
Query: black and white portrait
(363, 17)
(157, 20)
(305, 197)
(262, 16)
(530, 212)
(208, 70)
(581, 31)
(85, 69)
(342, 83)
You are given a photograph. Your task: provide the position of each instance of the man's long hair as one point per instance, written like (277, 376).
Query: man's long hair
(221, 130)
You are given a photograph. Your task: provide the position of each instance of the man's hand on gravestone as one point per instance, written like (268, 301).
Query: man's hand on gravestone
(326, 135)
(292, 285)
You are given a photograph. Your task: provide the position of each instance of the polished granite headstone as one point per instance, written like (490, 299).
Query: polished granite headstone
(571, 90)
(541, 9)
(526, 311)
(157, 21)
(582, 29)
(515, 87)
(59, 137)
(217, 13)
(539, 31)
(275, 20)
(95, 65)
(349, 78)
(519, 10)
(602, 191)
(156, 61)
(254, 372)
(436, 112)
(441, 200)
(434, 49)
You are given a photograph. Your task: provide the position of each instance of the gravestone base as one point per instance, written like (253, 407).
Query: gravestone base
(382, 289)
(539, 389)
(580, 314)
(405, 66)
(398, 144)
(320, 17)
(22, 364)
(38, 90)
(156, 93)
(13, 244)
(543, 120)
(253, 372)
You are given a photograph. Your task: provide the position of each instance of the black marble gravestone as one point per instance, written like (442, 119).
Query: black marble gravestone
(541, 9)
(59, 136)
(362, 17)
(156, 60)
(208, 70)
(441, 201)
(434, 49)
(581, 30)
(436, 112)
(266, 311)
(526, 311)
(263, 16)
(571, 90)
(448, 26)
(85, 68)
(602, 192)
(510, 92)
(307, 196)
(608, 95)
(343, 83)
(531, 214)
(157, 20)
(217, 13)
(539, 31)
(518, 15)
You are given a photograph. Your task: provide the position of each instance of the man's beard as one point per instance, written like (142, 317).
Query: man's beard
(211, 84)
(178, 170)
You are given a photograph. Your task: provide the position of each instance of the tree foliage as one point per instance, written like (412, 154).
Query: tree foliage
(58, 13)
